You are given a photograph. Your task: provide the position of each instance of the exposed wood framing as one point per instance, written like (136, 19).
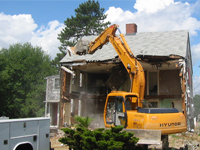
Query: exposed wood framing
(64, 95)
(161, 96)
(66, 69)
(63, 84)
(160, 59)
(183, 87)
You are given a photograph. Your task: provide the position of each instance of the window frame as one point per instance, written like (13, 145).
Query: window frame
(148, 80)
(55, 86)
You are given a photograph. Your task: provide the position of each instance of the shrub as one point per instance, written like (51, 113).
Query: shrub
(112, 139)
(83, 121)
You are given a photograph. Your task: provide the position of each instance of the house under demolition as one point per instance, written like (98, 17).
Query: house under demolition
(166, 58)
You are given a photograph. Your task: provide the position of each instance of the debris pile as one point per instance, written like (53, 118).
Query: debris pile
(187, 139)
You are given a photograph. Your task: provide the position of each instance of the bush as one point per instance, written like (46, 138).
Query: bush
(83, 121)
(112, 139)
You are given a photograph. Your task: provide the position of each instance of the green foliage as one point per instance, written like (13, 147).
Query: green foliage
(22, 85)
(55, 63)
(83, 121)
(112, 139)
(89, 20)
(174, 136)
(197, 105)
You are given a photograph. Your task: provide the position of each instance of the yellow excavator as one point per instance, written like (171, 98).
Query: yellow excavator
(125, 108)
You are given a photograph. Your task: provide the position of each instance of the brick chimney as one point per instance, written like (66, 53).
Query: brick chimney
(131, 28)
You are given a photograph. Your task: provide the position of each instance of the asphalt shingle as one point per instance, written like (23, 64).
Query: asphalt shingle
(147, 43)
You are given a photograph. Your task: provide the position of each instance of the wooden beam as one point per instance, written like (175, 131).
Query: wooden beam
(161, 96)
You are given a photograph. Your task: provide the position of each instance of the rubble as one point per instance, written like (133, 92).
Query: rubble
(190, 140)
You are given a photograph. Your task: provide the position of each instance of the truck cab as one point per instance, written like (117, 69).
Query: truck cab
(25, 134)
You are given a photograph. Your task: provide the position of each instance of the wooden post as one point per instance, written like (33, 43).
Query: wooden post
(62, 90)
(65, 78)
(183, 96)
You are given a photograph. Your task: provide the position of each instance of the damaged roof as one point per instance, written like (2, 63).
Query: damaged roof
(142, 44)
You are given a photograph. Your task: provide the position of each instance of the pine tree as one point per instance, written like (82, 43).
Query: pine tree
(88, 20)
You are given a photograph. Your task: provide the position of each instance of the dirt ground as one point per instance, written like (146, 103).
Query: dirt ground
(176, 141)
(55, 143)
(192, 139)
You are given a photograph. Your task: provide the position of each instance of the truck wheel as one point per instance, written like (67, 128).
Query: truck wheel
(24, 147)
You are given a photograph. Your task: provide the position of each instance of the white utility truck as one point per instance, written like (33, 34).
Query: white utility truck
(25, 134)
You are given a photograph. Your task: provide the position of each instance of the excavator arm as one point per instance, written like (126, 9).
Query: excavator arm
(102, 39)
(133, 67)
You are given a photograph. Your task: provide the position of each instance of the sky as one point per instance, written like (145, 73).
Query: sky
(40, 21)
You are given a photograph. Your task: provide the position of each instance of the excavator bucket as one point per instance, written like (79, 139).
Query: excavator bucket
(82, 47)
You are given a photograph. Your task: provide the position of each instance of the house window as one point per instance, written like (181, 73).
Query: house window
(73, 77)
(81, 80)
(79, 107)
(153, 83)
(57, 83)
(72, 105)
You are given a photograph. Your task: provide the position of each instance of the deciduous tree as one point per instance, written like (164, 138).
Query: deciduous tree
(22, 84)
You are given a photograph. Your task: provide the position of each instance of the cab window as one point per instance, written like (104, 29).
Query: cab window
(110, 110)
(119, 101)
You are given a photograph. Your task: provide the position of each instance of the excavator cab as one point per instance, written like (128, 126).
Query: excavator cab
(117, 104)
(115, 111)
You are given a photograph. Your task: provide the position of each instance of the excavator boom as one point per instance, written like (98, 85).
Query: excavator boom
(133, 67)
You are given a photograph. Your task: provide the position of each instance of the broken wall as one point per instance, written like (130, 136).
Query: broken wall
(89, 98)
(188, 95)
(65, 99)
(163, 89)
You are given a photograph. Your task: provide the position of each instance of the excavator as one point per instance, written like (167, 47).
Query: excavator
(126, 108)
